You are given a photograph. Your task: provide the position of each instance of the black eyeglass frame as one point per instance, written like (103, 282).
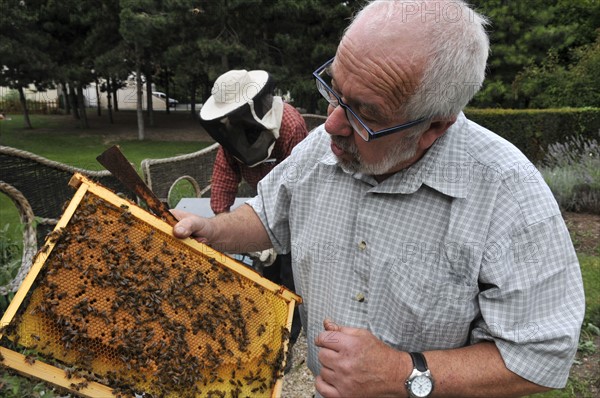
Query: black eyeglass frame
(324, 90)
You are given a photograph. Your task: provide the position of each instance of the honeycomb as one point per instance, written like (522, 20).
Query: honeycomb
(144, 312)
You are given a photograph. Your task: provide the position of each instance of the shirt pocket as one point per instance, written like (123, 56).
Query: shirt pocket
(421, 305)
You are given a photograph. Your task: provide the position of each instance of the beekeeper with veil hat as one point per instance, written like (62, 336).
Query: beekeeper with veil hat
(257, 130)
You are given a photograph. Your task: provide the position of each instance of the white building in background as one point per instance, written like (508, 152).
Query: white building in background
(126, 96)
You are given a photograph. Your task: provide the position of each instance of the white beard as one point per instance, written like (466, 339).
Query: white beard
(395, 155)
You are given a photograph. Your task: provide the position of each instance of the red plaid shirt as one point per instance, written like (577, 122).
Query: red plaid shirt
(228, 172)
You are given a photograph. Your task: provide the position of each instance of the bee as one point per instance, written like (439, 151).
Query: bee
(55, 235)
(165, 249)
(79, 386)
(29, 359)
(261, 329)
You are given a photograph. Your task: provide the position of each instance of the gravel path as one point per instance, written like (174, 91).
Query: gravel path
(298, 382)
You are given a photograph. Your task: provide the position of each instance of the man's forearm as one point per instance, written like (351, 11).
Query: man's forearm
(355, 363)
(238, 231)
(477, 370)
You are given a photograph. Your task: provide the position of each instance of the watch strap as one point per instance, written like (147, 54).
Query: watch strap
(419, 362)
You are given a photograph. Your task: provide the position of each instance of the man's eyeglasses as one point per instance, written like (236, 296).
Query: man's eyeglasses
(356, 122)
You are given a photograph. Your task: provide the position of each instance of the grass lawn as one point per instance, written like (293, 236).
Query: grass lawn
(59, 138)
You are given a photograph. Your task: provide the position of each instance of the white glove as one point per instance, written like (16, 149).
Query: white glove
(266, 257)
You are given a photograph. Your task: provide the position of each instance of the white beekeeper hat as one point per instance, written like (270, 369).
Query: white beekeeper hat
(233, 90)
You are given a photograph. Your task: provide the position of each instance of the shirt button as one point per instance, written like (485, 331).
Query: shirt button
(360, 297)
(362, 245)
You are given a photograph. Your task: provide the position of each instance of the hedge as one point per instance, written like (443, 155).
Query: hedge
(532, 130)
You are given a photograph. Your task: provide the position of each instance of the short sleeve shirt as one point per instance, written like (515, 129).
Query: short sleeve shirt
(466, 245)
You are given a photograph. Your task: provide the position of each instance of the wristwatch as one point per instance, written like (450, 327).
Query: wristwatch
(420, 383)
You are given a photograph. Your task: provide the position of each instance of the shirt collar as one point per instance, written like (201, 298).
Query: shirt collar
(444, 167)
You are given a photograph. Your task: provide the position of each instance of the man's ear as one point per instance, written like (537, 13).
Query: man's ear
(436, 130)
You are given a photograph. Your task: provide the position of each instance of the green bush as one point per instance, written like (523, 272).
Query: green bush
(9, 249)
(10, 262)
(572, 171)
(10, 103)
(15, 386)
(534, 130)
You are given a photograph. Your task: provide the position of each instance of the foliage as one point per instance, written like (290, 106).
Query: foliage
(586, 342)
(572, 171)
(553, 84)
(184, 45)
(533, 130)
(14, 386)
(24, 59)
(9, 252)
(10, 103)
(10, 262)
(590, 272)
(523, 34)
(575, 388)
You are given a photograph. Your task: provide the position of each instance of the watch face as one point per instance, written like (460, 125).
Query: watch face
(421, 386)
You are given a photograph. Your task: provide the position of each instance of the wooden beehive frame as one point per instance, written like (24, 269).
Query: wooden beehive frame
(57, 376)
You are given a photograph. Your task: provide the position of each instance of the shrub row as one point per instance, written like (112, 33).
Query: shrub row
(34, 107)
(534, 130)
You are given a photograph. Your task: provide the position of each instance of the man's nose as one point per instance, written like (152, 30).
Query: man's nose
(337, 123)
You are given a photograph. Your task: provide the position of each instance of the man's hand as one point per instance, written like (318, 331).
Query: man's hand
(355, 363)
(239, 231)
(191, 225)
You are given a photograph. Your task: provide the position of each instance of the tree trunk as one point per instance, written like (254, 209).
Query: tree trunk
(139, 93)
(73, 100)
(150, 108)
(23, 101)
(99, 111)
(167, 93)
(207, 87)
(193, 85)
(83, 120)
(115, 95)
(67, 103)
(225, 61)
(109, 100)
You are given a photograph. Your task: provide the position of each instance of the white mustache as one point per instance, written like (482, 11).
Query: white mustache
(345, 144)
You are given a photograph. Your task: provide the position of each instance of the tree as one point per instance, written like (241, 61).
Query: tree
(306, 35)
(522, 33)
(140, 23)
(22, 50)
(551, 85)
(288, 38)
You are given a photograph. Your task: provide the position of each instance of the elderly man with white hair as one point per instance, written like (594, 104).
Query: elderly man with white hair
(432, 258)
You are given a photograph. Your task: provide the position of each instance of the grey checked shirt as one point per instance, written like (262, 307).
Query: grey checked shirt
(466, 245)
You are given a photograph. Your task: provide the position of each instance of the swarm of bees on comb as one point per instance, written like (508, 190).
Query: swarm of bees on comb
(115, 301)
